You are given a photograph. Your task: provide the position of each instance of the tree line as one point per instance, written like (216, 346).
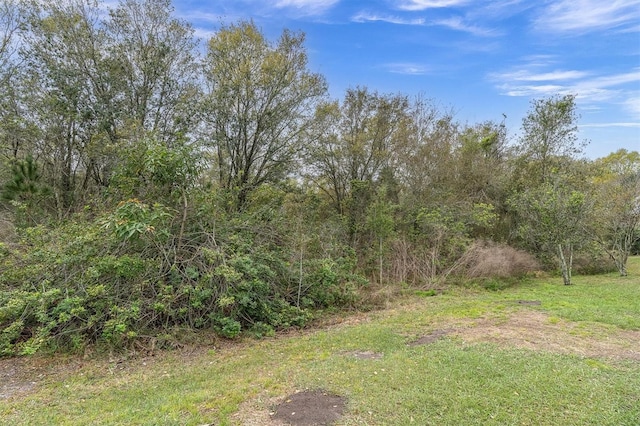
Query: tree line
(148, 188)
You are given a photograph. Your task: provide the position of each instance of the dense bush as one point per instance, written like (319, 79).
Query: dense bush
(124, 277)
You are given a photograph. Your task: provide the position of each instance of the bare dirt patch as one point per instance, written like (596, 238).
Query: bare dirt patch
(258, 412)
(537, 331)
(20, 376)
(12, 380)
(366, 354)
(310, 408)
(431, 337)
(528, 302)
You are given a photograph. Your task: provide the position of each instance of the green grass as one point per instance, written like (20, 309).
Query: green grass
(449, 382)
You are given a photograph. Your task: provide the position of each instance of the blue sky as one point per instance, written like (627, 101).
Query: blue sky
(481, 58)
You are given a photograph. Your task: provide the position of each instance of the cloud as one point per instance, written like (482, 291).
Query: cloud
(235, 10)
(415, 5)
(370, 17)
(458, 24)
(632, 105)
(202, 16)
(593, 89)
(307, 7)
(618, 79)
(534, 90)
(523, 75)
(203, 33)
(406, 68)
(588, 15)
(454, 23)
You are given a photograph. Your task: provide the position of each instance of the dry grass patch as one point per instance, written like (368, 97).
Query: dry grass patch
(538, 331)
(486, 259)
(258, 412)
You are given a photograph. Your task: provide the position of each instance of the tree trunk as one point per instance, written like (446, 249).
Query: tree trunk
(380, 258)
(566, 264)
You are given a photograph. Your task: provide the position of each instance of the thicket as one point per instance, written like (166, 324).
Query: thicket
(147, 190)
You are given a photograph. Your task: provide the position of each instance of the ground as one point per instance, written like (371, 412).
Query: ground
(524, 328)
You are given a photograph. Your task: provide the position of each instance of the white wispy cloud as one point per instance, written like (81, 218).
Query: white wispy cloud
(525, 75)
(202, 16)
(406, 68)
(539, 60)
(632, 105)
(592, 89)
(501, 9)
(588, 15)
(307, 7)
(458, 24)
(534, 90)
(533, 76)
(618, 79)
(414, 5)
(235, 10)
(372, 17)
(203, 33)
(453, 23)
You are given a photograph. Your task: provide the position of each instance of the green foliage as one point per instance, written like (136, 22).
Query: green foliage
(549, 136)
(615, 221)
(332, 284)
(124, 277)
(228, 327)
(151, 170)
(132, 219)
(259, 106)
(26, 191)
(26, 181)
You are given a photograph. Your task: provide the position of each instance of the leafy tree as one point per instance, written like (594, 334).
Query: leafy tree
(27, 191)
(481, 162)
(11, 16)
(152, 59)
(549, 199)
(259, 106)
(355, 150)
(380, 221)
(61, 39)
(98, 85)
(553, 216)
(11, 141)
(616, 218)
(549, 135)
(428, 156)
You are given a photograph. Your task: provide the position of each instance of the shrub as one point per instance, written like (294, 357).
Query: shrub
(593, 264)
(139, 272)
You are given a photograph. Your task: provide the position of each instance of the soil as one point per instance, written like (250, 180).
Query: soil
(366, 355)
(310, 408)
(20, 376)
(536, 331)
(529, 302)
(431, 337)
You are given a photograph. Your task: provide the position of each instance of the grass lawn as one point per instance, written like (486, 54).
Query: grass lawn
(538, 353)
